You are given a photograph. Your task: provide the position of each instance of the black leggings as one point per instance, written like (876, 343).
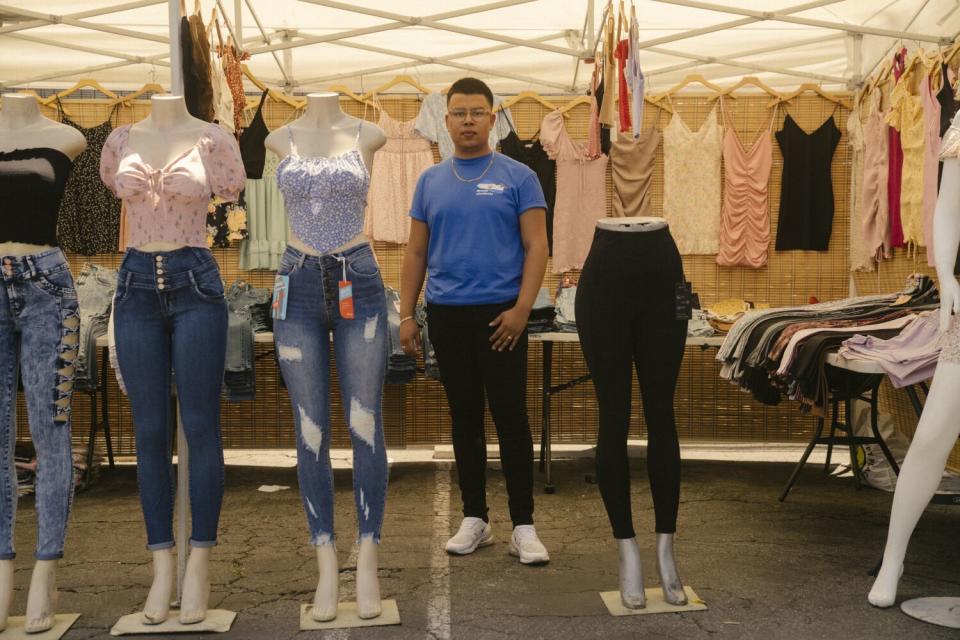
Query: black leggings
(626, 317)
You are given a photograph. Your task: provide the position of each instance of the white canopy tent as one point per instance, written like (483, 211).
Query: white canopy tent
(303, 45)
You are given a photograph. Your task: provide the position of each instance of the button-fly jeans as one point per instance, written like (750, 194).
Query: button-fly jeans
(39, 331)
(360, 347)
(170, 313)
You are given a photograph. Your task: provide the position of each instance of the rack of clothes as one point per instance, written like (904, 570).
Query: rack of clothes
(780, 352)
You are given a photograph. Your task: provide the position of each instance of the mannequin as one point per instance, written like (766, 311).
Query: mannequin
(22, 126)
(170, 137)
(610, 324)
(938, 429)
(326, 135)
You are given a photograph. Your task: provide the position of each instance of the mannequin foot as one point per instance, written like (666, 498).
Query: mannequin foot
(42, 599)
(196, 586)
(325, 599)
(667, 567)
(368, 585)
(631, 575)
(884, 591)
(6, 591)
(157, 607)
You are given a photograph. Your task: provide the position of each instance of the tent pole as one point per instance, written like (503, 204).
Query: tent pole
(176, 67)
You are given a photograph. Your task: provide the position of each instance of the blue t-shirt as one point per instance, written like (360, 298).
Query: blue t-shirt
(475, 254)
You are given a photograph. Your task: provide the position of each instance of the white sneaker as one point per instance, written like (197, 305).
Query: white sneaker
(525, 544)
(473, 533)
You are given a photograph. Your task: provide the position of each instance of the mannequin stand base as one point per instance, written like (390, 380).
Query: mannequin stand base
(15, 631)
(217, 621)
(347, 617)
(655, 603)
(943, 612)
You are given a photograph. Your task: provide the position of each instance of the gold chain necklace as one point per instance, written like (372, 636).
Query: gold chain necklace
(478, 178)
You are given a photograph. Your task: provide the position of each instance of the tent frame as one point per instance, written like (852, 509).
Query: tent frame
(289, 39)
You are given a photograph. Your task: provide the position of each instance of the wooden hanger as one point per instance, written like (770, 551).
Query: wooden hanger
(86, 83)
(660, 105)
(401, 79)
(344, 90)
(951, 52)
(690, 79)
(815, 88)
(751, 80)
(150, 87)
(587, 100)
(526, 95)
(277, 96)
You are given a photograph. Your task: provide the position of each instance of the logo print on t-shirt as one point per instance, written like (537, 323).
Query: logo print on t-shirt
(490, 189)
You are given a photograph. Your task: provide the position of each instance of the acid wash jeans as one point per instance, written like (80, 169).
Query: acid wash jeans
(40, 331)
(170, 313)
(360, 347)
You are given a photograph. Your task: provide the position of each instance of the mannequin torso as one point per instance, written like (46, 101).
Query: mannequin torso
(22, 126)
(325, 131)
(163, 136)
(634, 224)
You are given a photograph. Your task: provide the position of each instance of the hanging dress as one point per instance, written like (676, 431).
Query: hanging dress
(806, 191)
(89, 221)
(860, 257)
(895, 166)
(581, 193)
(744, 219)
(931, 152)
(397, 166)
(531, 153)
(874, 204)
(906, 116)
(691, 184)
(631, 167)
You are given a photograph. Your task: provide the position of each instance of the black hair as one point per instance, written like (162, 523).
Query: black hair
(471, 87)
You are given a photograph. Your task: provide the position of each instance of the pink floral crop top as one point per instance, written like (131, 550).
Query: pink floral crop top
(169, 204)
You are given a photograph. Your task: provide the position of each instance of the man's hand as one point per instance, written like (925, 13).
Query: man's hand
(510, 326)
(410, 337)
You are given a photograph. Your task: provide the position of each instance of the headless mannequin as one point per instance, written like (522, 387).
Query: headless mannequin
(631, 569)
(158, 139)
(324, 130)
(23, 126)
(938, 428)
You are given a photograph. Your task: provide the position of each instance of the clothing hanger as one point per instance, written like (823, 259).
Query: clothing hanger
(150, 87)
(815, 88)
(401, 79)
(751, 80)
(587, 100)
(86, 83)
(344, 90)
(526, 95)
(276, 96)
(662, 105)
(690, 79)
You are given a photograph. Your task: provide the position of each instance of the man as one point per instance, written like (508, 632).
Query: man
(478, 225)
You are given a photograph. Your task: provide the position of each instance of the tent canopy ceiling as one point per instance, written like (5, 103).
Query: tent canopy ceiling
(304, 45)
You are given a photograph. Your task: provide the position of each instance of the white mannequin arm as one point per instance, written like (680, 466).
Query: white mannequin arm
(946, 240)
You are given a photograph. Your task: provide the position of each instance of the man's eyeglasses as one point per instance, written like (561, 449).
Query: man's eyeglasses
(475, 114)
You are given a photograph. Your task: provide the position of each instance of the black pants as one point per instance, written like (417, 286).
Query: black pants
(470, 369)
(626, 318)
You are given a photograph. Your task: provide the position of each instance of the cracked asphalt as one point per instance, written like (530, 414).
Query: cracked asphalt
(766, 569)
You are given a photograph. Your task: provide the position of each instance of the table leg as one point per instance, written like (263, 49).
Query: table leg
(914, 400)
(545, 415)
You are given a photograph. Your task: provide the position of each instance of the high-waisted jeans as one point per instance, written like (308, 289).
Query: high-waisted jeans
(39, 328)
(626, 318)
(360, 347)
(170, 313)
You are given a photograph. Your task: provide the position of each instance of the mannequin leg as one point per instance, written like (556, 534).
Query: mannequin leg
(42, 599)
(368, 585)
(196, 586)
(632, 594)
(919, 477)
(157, 607)
(326, 598)
(667, 567)
(6, 591)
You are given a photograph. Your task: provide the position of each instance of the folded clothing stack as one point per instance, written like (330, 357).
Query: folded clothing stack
(542, 314)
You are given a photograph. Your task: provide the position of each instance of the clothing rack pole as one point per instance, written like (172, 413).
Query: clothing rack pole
(183, 474)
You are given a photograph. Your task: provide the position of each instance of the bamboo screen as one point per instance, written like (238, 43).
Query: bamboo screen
(415, 414)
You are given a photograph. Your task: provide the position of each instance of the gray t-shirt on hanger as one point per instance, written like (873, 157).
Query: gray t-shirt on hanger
(430, 123)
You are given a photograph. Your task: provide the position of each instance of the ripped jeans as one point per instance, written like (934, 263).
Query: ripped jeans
(39, 327)
(360, 348)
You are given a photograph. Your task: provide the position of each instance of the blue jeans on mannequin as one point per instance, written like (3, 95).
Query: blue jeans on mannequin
(39, 326)
(360, 346)
(170, 313)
